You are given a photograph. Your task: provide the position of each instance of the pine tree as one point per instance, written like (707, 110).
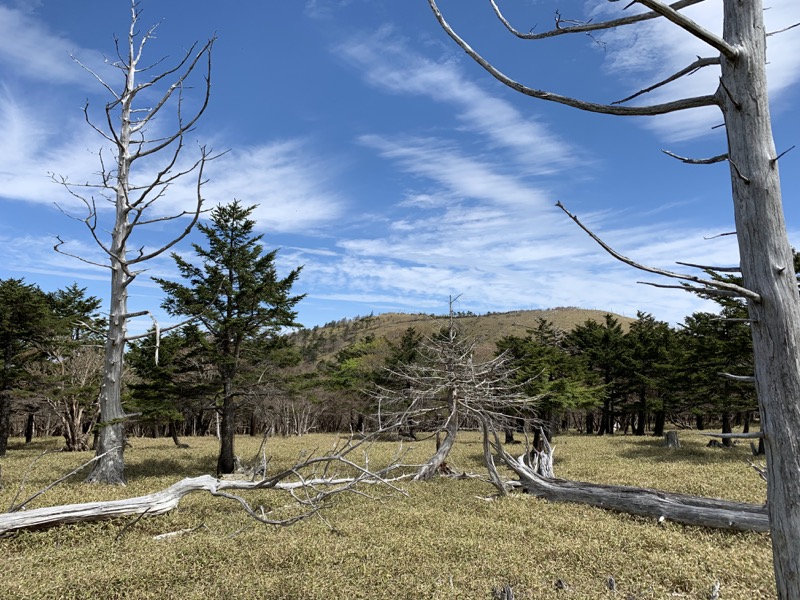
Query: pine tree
(237, 297)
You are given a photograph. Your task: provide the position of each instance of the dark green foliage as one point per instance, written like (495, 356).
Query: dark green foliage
(713, 345)
(604, 352)
(651, 354)
(541, 361)
(25, 323)
(174, 387)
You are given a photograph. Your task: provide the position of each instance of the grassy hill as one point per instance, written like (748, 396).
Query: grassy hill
(484, 329)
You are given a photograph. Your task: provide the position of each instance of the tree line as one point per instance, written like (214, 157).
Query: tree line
(215, 373)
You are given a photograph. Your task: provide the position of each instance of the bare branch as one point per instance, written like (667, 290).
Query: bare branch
(182, 127)
(656, 109)
(109, 89)
(697, 161)
(691, 69)
(15, 507)
(739, 378)
(720, 235)
(781, 155)
(694, 289)
(57, 248)
(723, 286)
(745, 436)
(782, 30)
(684, 22)
(161, 330)
(707, 268)
(195, 215)
(588, 27)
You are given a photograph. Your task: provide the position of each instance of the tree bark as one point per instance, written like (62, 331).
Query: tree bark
(5, 420)
(589, 422)
(671, 440)
(226, 463)
(110, 442)
(699, 422)
(726, 428)
(641, 415)
(110, 468)
(30, 427)
(658, 426)
(430, 468)
(768, 269)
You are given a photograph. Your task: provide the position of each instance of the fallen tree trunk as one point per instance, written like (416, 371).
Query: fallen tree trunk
(681, 508)
(730, 436)
(158, 503)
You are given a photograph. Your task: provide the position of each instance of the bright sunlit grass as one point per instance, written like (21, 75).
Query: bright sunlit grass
(444, 540)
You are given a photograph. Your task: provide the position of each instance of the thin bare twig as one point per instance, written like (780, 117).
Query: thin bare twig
(588, 27)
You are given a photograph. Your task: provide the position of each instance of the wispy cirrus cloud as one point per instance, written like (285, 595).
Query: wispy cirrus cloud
(292, 185)
(389, 63)
(643, 54)
(464, 176)
(32, 51)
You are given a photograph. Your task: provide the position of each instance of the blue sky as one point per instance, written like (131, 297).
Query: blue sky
(388, 163)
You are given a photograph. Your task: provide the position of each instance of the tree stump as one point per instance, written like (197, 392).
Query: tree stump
(671, 439)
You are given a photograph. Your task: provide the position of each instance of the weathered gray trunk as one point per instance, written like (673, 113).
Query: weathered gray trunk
(767, 269)
(111, 428)
(656, 504)
(430, 468)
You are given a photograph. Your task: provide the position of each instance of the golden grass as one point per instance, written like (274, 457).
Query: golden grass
(444, 540)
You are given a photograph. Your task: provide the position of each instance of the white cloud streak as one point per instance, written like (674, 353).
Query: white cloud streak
(389, 63)
(653, 50)
(32, 51)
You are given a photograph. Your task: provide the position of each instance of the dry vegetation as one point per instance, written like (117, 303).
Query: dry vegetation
(485, 329)
(445, 540)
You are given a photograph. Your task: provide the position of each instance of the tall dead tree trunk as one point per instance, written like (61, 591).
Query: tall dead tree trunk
(767, 264)
(766, 261)
(125, 132)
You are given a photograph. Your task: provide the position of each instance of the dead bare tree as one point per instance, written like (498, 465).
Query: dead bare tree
(73, 373)
(446, 389)
(135, 134)
(766, 264)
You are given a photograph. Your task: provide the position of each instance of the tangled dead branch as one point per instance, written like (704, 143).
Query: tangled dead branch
(310, 484)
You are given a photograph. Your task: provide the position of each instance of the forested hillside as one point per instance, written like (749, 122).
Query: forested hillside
(583, 370)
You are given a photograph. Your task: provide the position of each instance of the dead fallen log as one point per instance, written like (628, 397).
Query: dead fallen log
(741, 436)
(164, 501)
(644, 502)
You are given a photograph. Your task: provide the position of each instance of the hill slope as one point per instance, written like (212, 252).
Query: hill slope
(486, 329)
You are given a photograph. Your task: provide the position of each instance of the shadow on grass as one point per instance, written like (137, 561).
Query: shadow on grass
(36, 445)
(691, 451)
(183, 464)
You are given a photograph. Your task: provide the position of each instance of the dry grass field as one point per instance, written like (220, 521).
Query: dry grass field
(445, 539)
